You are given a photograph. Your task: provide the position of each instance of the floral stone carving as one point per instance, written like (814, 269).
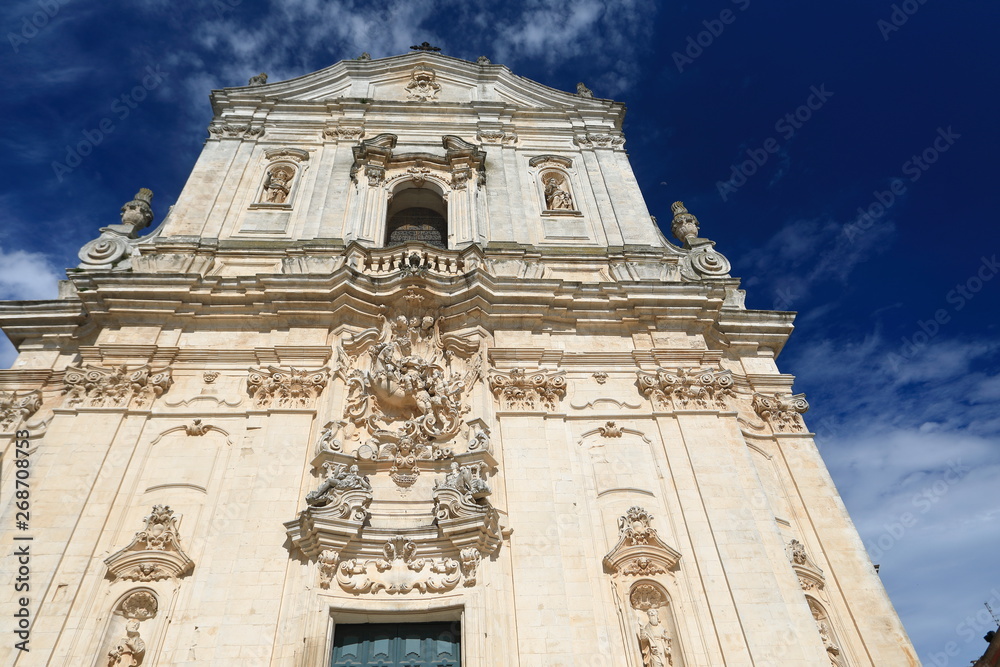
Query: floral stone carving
(686, 388)
(423, 85)
(781, 411)
(118, 387)
(640, 551)
(278, 388)
(518, 390)
(810, 575)
(345, 493)
(16, 408)
(155, 553)
(406, 388)
(400, 571)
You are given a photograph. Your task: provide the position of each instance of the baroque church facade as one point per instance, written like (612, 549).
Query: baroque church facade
(408, 375)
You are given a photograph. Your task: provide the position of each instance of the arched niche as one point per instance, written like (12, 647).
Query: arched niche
(655, 626)
(556, 192)
(827, 633)
(130, 630)
(417, 212)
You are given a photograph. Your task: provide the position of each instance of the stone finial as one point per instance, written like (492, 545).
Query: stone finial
(364, 56)
(483, 60)
(137, 213)
(258, 80)
(685, 226)
(583, 91)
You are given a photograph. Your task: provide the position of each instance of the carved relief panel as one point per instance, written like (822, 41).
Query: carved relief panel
(404, 503)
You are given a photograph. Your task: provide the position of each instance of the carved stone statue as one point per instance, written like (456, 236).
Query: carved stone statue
(654, 641)
(340, 478)
(556, 197)
(466, 480)
(278, 185)
(364, 56)
(258, 80)
(483, 60)
(130, 649)
(583, 91)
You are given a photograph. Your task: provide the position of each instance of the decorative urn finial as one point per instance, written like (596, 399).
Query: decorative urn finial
(137, 213)
(685, 225)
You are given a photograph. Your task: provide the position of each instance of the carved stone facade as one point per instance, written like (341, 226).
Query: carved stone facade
(409, 347)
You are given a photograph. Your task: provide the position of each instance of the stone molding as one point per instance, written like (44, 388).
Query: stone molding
(155, 552)
(518, 389)
(100, 387)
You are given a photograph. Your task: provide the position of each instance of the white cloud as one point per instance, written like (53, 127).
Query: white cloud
(27, 275)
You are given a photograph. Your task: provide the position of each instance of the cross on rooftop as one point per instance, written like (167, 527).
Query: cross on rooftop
(426, 47)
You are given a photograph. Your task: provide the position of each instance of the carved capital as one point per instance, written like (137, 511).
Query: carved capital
(280, 388)
(520, 390)
(781, 411)
(686, 388)
(345, 133)
(220, 130)
(600, 140)
(15, 408)
(96, 386)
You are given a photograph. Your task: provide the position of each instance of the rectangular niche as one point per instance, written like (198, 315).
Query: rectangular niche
(565, 227)
(267, 222)
(397, 645)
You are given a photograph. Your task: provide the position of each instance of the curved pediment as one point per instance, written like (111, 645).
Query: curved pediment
(418, 77)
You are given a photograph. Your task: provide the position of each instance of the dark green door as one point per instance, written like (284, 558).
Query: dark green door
(397, 645)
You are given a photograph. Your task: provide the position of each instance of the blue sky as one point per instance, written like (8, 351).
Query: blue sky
(841, 154)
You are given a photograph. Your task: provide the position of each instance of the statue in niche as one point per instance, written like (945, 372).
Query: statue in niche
(278, 184)
(556, 197)
(340, 478)
(654, 641)
(130, 649)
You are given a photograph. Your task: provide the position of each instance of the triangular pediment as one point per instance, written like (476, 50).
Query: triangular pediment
(418, 77)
